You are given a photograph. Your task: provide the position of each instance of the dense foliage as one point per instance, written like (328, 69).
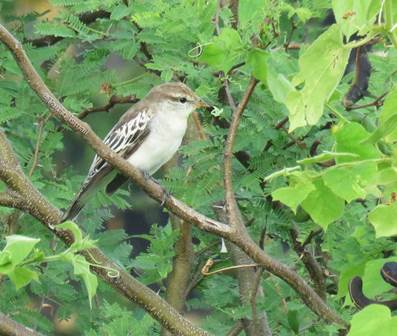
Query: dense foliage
(324, 179)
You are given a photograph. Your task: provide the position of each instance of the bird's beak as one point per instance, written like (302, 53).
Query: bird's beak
(202, 104)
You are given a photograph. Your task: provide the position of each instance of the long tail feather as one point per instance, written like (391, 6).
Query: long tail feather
(81, 198)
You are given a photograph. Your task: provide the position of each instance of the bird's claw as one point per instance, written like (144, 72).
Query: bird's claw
(166, 193)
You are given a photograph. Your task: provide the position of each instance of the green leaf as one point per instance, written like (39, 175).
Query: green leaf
(373, 283)
(22, 276)
(278, 85)
(373, 320)
(384, 219)
(344, 182)
(81, 268)
(296, 193)
(349, 139)
(355, 15)
(19, 247)
(248, 11)
(323, 205)
(388, 113)
(321, 68)
(384, 129)
(224, 51)
(257, 60)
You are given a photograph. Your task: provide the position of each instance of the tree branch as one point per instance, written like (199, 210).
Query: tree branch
(178, 279)
(249, 289)
(230, 199)
(9, 327)
(11, 199)
(311, 264)
(134, 290)
(112, 102)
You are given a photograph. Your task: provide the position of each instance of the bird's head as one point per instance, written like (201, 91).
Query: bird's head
(177, 97)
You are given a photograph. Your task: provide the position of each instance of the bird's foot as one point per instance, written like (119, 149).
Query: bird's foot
(166, 193)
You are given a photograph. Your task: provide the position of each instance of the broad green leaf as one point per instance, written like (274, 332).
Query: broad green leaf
(385, 176)
(278, 85)
(355, 15)
(323, 205)
(348, 272)
(257, 60)
(325, 157)
(373, 320)
(349, 139)
(321, 68)
(344, 182)
(250, 11)
(294, 194)
(224, 51)
(384, 130)
(373, 283)
(22, 276)
(388, 113)
(82, 269)
(19, 247)
(384, 219)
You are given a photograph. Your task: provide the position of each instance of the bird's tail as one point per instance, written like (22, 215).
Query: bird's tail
(78, 203)
(81, 198)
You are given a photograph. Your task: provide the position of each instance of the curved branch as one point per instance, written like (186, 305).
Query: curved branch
(230, 199)
(11, 199)
(112, 102)
(9, 327)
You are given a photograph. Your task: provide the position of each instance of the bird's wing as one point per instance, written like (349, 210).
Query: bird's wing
(124, 138)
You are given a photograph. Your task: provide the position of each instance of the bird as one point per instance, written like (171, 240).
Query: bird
(147, 135)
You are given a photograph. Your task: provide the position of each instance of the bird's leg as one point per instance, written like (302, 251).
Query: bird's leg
(166, 193)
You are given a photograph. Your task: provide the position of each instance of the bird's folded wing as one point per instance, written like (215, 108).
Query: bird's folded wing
(124, 139)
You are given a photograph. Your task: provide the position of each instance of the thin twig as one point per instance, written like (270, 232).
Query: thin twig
(105, 108)
(236, 329)
(230, 199)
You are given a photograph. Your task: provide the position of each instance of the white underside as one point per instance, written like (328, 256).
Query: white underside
(164, 139)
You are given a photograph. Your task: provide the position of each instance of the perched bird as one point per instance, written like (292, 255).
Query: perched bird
(147, 135)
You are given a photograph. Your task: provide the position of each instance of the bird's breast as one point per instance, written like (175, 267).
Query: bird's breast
(164, 139)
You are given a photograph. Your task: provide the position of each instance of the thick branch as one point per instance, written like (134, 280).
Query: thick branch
(311, 264)
(178, 279)
(9, 327)
(11, 200)
(248, 288)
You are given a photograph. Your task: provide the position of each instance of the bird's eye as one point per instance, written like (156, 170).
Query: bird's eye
(183, 100)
